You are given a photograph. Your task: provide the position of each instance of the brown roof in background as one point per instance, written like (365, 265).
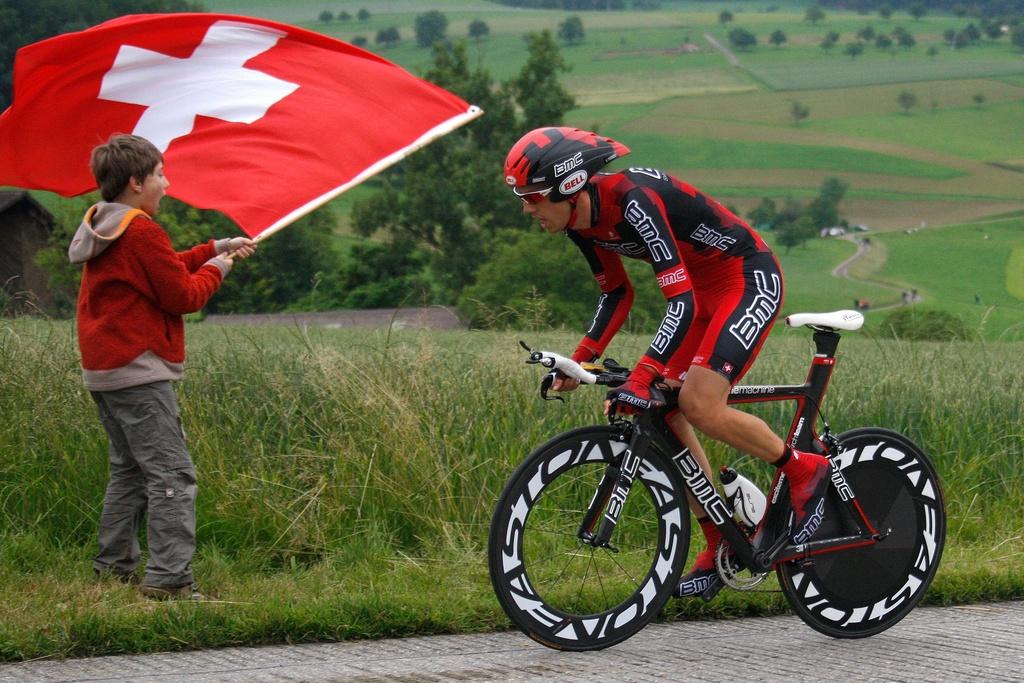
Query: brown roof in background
(9, 198)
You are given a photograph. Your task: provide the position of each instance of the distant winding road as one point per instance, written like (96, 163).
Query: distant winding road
(863, 247)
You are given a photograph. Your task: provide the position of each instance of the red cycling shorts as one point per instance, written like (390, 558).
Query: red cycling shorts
(735, 312)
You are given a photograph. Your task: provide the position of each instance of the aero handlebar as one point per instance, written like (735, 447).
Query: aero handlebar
(608, 373)
(567, 366)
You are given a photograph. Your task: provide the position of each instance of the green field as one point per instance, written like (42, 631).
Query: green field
(347, 478)
(715, 153)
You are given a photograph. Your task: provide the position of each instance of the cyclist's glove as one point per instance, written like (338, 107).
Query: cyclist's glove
(635, 395)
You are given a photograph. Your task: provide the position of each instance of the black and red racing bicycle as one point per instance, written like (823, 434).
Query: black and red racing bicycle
(592, 531)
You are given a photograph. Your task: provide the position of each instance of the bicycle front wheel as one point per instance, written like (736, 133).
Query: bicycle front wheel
(862, 591)
(568, 594)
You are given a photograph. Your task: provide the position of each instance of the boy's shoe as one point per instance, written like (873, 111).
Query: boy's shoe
(703, 582)
(130, 578)
(189, 591)
(807, 489)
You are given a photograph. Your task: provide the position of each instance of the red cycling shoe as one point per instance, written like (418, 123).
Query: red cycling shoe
(808, 481)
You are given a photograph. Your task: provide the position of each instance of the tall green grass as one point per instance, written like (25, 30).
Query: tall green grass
(347, 478)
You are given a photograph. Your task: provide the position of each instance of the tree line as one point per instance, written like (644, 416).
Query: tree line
(958, 7)
(432, 26)
(988, 27)
(795, 223)
(327, 16)
(585, 5)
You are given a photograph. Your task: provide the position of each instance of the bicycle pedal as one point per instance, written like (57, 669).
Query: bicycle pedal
(711, 591)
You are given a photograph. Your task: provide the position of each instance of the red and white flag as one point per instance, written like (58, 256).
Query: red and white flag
(260, 120)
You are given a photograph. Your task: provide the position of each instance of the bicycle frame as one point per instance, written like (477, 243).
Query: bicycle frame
(763, 552)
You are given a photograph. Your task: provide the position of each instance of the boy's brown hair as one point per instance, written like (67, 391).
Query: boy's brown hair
(122, 158)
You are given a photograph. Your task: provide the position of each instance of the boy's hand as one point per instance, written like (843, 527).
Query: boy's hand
(235, 248)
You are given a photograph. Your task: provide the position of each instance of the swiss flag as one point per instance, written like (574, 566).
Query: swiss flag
(260, 120)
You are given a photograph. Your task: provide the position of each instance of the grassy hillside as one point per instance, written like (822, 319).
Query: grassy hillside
(810, 285)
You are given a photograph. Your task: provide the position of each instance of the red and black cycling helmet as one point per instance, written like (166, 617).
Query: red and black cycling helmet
(557, 162)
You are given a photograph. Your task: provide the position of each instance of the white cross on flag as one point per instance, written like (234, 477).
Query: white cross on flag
(260, 120)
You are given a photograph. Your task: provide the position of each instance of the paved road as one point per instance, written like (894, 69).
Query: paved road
(974, 643)
(843, 269)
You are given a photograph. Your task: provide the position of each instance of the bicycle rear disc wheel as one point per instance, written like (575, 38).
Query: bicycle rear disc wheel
(858, 592)
(565, 593)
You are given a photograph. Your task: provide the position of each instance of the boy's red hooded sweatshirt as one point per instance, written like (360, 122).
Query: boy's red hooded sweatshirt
(135, 288)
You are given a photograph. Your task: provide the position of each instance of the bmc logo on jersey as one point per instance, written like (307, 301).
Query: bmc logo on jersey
(712, 238)
(573, 183)
(648, 230)
(672, 277)
(569, 164)
(667, 330)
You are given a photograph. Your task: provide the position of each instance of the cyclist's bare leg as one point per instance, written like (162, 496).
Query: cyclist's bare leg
(684, 432)
(703, 402)
(704, 561)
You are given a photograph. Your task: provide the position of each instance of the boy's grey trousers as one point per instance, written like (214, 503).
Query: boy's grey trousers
(150, 470)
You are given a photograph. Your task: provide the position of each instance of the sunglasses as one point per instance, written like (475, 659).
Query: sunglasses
(532, 197)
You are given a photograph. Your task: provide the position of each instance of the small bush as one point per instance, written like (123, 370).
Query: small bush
(925, 325)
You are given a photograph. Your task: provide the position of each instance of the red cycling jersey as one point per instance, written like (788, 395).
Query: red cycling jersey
(722, 282)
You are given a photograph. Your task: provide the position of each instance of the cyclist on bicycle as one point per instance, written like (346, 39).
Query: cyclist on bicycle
(724, 290)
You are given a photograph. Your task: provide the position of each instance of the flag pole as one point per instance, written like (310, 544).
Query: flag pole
(425, 139)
